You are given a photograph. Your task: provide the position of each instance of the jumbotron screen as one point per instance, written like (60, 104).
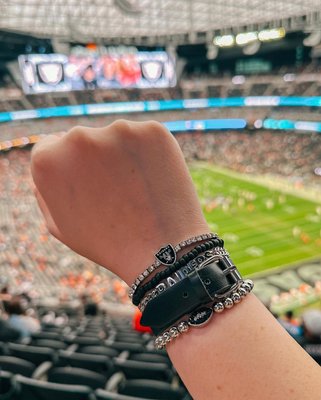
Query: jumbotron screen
(57, 72)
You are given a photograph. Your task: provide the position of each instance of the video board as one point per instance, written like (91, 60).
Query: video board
(43, 73)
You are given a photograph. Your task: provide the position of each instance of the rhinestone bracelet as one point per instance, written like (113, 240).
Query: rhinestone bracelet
(180, 274)
(201, 316)
(167, 256)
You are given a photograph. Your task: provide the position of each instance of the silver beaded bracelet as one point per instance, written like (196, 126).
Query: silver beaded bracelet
(166, 255)
(180, 274)
(202, 316)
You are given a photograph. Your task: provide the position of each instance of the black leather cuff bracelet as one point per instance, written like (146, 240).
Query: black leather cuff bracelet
(180, 274)
(142, 290)
(206, 283)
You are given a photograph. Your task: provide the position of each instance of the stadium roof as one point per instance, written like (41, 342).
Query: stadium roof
(89, 20)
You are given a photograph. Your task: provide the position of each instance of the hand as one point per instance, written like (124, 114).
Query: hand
(116, 194)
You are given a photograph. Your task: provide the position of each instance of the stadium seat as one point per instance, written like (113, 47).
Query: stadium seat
(3, 348)
(106, 395)
(151, 357)
(77, 376)
(93, 362)
(7, 388)
(151, 389)
(46, 335)
(17, 366)
(131, 347)
(144, 370)
(36, 355)
(101, 350)
(130, 338)
(52, 344)
(31, 389)
(84, 341)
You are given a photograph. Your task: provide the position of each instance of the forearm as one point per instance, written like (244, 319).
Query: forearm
(119, 193)
(244, 353)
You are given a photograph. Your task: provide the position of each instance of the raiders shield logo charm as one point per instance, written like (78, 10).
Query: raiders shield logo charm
(166, 255)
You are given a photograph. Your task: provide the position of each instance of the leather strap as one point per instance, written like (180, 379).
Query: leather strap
(215, 276)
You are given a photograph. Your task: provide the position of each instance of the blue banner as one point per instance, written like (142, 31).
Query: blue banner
(160, 105)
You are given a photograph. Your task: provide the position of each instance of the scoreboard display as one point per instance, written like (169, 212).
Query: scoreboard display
(57, 72)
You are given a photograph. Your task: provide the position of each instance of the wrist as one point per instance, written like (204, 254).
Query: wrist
(145, 253)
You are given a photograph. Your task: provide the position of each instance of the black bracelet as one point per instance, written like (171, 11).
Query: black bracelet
(181, 274)
(209, 282)
(142, 290)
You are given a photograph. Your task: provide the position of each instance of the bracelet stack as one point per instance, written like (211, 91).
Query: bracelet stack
(190, 289)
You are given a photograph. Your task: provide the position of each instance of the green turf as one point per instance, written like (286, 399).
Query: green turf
(262, 228)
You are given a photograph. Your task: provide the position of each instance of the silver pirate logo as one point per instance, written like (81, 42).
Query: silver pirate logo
(166, 255)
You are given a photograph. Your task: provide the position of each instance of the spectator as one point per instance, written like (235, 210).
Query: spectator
(312, 327)
(7, 332)
(19, 320)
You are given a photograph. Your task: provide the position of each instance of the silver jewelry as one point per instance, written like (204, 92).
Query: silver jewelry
(181, 274)
(166, 255)
(202, 316)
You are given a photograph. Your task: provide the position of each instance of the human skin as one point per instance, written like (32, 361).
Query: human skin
(116, 195)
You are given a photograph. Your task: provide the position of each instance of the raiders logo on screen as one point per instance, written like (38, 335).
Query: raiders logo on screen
(152, 70)
(50, 73)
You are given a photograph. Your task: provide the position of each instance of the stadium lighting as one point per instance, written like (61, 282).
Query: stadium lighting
(224, 41)
(245, 38)
(271, 34)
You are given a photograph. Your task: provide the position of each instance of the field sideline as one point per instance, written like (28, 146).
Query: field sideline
(263, 227)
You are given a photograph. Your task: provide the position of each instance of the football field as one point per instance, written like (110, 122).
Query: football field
(263, 228)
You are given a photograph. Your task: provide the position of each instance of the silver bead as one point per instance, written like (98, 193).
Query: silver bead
(174, 332)
(250, 283)
(141, 277)
(183, 327)
(159, 342)
(145, 273)
(166, 337)
(228, 303)
(154, 293)
(218, 307)
(246, 287)
(236, 297)
(151, 268)
(242, 292)
(137, 282)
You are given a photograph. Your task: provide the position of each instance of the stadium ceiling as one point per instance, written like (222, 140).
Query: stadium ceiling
(152, 22)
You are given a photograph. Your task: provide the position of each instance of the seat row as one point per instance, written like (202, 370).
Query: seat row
(18, 387)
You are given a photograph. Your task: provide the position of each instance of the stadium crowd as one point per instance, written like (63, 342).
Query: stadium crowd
(291, 155)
